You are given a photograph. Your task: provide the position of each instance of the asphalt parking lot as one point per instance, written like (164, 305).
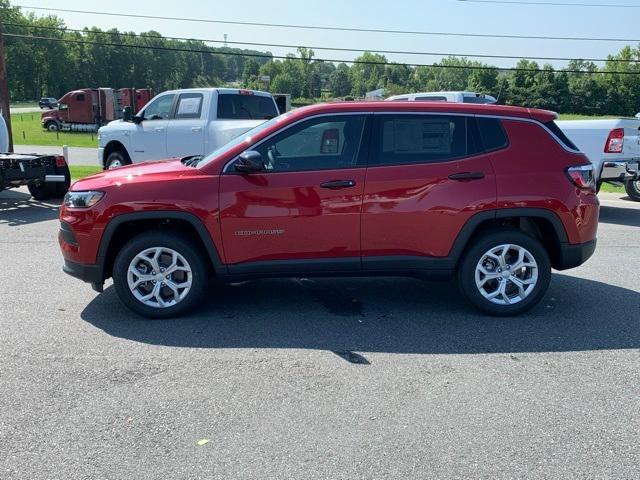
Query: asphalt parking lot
(328, 378)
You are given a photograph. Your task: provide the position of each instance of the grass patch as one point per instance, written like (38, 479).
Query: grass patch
(24, 105)
(81, 171)
(27, 130)
(573, 116)
(611, 188)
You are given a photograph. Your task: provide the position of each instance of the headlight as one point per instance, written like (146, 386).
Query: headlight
(82, 199)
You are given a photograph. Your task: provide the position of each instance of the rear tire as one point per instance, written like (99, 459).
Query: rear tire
(117, 159)
(633, 189)
(504, 272)
(62, 188)
(42, 191)
(168, 297)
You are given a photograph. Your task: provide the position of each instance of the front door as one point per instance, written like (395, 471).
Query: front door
(302, 212)
(186, 128)
(149, 139)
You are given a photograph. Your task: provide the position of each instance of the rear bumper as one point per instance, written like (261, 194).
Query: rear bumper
(620, 170)
(572, 256)
(87, 273)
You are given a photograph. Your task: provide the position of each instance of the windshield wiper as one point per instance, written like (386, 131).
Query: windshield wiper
(192, 160)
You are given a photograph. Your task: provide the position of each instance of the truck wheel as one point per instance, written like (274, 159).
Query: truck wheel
(63, 188)
(52, 126)
(504, 272)
(42, 191)
(633, 189)
(161, 274)
(116, 159)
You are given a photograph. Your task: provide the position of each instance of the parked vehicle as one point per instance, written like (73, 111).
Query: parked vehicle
(48, 102)
(456, 97)
(362, 188)
(613, 146)
(180, 123)
(4, 135)
(87, 109)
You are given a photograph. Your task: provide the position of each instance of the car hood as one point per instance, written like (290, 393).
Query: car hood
(138, 173)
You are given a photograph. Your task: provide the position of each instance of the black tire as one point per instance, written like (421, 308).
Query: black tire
(62, 188)
(633, 189)
(475, 252)
(42, 191)
(117, 158)
(194, 256)
(52, 126)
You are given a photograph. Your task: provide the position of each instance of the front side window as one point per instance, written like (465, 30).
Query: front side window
(160, 108)
(406, 139)
(431, 99)
(324, 143)
(189, 106)
(246, 106)
(80, 97)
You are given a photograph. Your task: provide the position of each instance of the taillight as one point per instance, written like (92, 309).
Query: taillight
(615, 141)
(245, 92)
(60, 161)
(582, 176)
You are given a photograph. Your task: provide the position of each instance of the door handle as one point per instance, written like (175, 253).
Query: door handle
(159, 129)
(196, 129)
(336, 184)
(467, 176)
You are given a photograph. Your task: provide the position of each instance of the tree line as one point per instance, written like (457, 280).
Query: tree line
(51, 68)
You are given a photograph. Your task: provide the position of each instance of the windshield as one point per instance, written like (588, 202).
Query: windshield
(243, 137)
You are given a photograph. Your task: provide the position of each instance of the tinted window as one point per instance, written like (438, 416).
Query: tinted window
(481, 100)
(318, 144)
(246, 107)
(553, 126)
(431, 99)
(492, 133)
(80, 97)
(423, 139)
(189, 106)
(160, 108)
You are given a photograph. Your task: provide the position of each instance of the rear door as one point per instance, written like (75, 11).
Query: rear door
(302, 212)
(186, 128)
(427, 176)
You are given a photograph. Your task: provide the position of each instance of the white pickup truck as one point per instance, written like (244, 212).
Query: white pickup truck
(613, 146)
(181, 123)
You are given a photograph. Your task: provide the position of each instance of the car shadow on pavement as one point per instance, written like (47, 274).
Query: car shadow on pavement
(620, 216)
(18, 208)
(393, 315)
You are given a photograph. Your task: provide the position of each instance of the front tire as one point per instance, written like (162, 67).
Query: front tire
(633, 189)
(161, 274)
(117, 159)
(52, 126)
(504, 272)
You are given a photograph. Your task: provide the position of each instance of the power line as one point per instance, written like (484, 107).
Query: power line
(330, 28)
(553, 4)
(281, 57)
(337, 49)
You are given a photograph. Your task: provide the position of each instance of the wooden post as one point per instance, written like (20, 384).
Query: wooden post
(4, 91)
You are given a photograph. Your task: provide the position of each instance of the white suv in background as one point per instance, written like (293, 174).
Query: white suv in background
(455, 97)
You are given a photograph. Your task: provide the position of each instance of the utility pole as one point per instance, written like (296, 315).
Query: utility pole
(4, 90)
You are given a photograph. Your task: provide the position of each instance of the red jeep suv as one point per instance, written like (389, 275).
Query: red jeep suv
(493, 196)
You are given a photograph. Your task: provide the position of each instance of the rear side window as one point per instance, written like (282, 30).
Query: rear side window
(553, 126)
(423, 139)
(235, 106)
(431, 99)
(189, 106)
(492, 134)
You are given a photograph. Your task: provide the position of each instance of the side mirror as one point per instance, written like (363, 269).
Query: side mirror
(127, 113)
(249, 162)
(137, 119)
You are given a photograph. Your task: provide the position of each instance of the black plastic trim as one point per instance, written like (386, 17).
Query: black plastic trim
(86, 273)
(66, 232)
(572, 256)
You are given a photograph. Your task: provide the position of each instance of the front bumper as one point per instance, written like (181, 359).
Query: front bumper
(571, 256)
(87, 273)
(620, 170)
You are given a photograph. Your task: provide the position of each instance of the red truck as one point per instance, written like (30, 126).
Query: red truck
(87, 109)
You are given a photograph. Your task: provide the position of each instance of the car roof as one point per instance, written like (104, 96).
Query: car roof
(219, 90)
(427, 107)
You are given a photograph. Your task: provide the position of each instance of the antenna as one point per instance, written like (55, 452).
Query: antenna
(225, 40)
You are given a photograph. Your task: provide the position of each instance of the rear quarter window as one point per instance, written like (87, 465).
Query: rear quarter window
(492, 134)
(553, 126)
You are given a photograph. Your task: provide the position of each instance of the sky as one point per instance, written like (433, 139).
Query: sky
(423, 15)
